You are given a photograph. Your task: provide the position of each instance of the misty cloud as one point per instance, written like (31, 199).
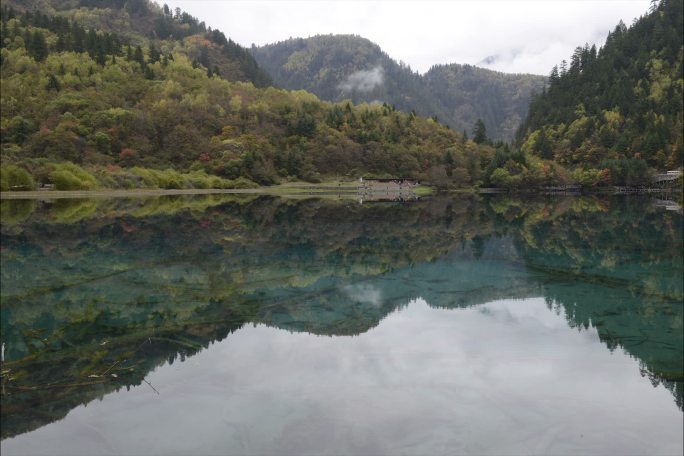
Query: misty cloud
(489, 60)
(363, 80)
(464, 31)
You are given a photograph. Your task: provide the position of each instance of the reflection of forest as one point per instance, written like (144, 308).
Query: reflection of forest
(119, 287)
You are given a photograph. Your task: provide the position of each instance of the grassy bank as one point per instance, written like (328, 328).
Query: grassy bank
(293, 189)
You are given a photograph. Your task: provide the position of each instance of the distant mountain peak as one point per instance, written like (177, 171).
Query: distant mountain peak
(337, 67)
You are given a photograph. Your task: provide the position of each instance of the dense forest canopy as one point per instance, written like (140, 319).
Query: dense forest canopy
(618, 107)
(131, 94)
(468, 93)
(140, 21)
(100, 101)
(336, 67)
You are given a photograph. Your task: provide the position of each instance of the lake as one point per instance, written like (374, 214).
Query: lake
(244, 324)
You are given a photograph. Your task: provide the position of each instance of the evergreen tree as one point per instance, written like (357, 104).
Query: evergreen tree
(38, 49)
(138, 56)
(61, 45)
(204, 57)
(543, 146)
(622, 101)
(154, 54)
(480, 132)
(100, 56)
(53, 83)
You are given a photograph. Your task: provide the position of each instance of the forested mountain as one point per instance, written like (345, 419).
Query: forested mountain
(617, 108)
(83, 108)
(338, 67)
(133, 94)
(467, 93)
(141, 22)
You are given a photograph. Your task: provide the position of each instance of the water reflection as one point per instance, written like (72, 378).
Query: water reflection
(101, 287)
(426, 381)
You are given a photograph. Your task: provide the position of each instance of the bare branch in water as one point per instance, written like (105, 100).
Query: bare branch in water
(155, 390)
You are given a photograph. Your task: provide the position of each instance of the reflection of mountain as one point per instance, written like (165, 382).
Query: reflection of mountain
(621, 274)
(351, 306)
(120, 292)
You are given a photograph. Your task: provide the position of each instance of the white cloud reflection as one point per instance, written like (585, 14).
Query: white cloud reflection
(507, 377)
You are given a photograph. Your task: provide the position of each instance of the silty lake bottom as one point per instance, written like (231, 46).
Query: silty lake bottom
(256, 325)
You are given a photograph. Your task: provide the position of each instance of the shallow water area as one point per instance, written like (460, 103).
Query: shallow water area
(258, 325)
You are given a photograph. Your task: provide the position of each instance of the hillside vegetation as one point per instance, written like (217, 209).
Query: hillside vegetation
(617, 109)
(467, 93)
(338, 67)
(124, 115)
(140, 22)
(134, 95)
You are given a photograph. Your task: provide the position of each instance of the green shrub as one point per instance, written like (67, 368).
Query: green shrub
(240, 182)
(103, 142)
(148, 177)
(198, 179)
(119, 178)
(154, 178)
(217, 182)
(14, 178)
(67, 176)
(170, 179)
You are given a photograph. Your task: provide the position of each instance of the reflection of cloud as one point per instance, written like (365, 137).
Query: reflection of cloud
(514, 311)
(540, 386)
(363, 80)
(364, 293)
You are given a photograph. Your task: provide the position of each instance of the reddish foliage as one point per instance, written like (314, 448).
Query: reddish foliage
(126, 153)
(204, 157)
(604, 176)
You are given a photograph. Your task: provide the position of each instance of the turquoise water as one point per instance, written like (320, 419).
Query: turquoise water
(258, 325)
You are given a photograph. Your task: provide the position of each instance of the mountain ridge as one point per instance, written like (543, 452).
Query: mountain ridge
(345, 66)
(619, 107)
(84, 108)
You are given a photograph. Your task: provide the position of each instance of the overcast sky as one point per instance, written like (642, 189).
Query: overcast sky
(504, 35)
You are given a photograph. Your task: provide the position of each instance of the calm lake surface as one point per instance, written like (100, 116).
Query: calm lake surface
(255, 325)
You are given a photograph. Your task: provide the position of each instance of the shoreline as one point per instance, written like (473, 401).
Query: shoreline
(135, 193)
(300, 189)
(142, 193)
